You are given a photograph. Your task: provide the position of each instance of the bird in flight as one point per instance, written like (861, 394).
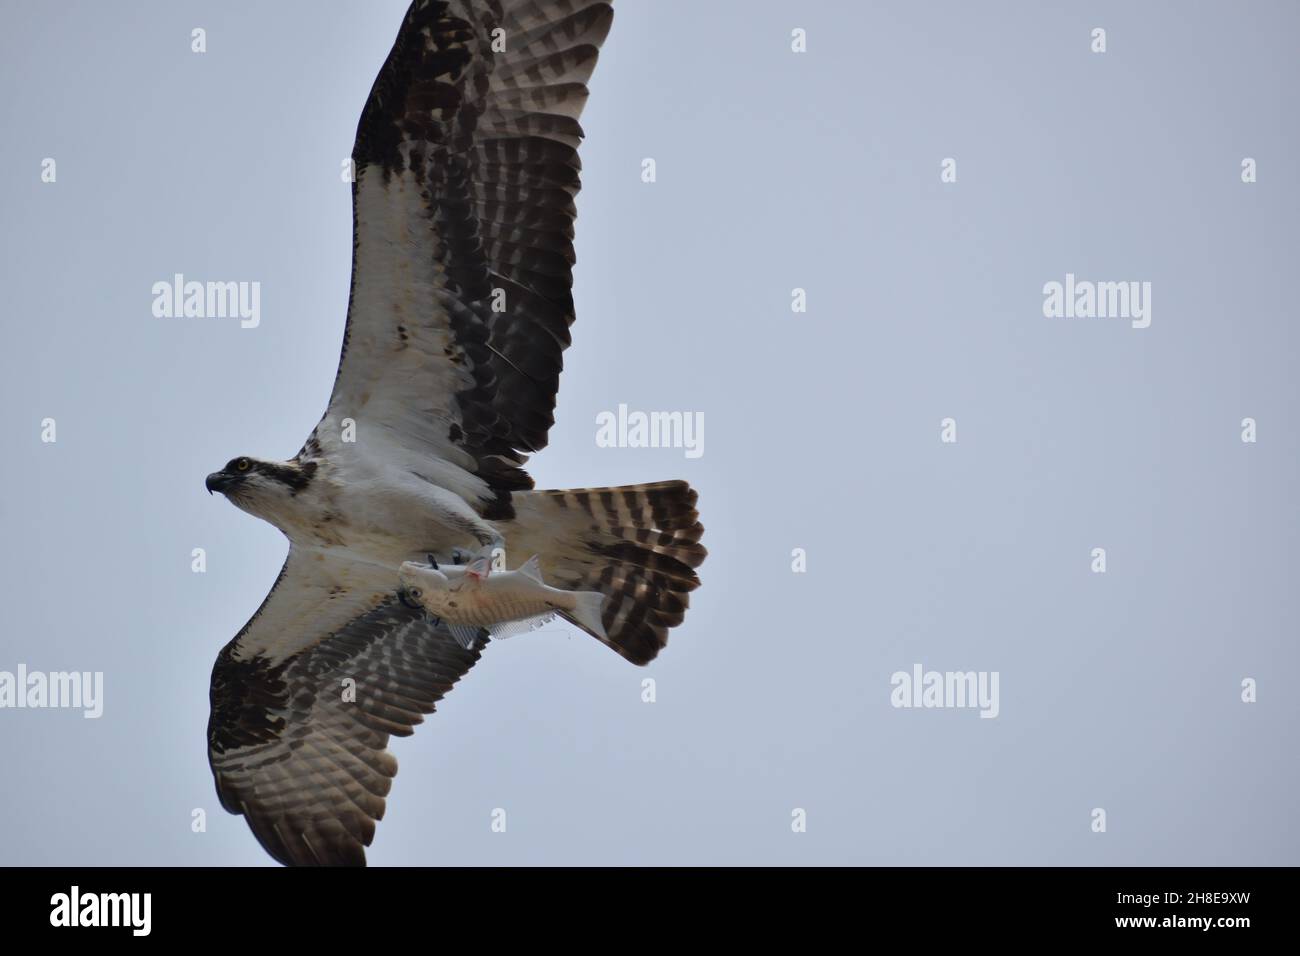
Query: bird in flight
(466, 169)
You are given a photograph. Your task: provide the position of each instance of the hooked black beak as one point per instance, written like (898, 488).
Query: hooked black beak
(219, 481)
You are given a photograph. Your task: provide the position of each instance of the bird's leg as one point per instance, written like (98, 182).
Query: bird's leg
(482, 562)
(450, 512)
(493, 550)
(496, 550)
(490, 540)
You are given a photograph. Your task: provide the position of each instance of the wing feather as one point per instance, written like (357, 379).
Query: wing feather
(303, 760)
(466, 172)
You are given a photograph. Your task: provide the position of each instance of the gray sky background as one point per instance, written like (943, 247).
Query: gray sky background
(775, 170)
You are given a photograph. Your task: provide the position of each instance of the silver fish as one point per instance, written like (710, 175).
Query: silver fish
(469, 597)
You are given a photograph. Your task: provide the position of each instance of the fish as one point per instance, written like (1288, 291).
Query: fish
(471, 597)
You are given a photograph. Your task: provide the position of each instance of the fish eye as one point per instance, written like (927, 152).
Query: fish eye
(414, 593)
(242, 464)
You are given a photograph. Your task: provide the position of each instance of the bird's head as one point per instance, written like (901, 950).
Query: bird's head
(260, 487)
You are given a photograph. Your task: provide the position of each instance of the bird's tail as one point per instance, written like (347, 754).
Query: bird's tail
(638, 545)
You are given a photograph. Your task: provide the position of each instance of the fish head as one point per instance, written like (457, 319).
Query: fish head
(420, 583)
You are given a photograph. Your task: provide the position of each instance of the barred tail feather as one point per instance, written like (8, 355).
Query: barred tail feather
(638, 545)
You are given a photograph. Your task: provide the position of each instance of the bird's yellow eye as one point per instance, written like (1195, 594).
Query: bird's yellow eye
(243, 464)
(415, 593)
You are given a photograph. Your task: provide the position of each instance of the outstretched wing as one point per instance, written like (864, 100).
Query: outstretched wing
(463, 206)
(305, 697)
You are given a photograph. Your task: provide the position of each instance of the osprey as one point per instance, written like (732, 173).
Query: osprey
(466, 169)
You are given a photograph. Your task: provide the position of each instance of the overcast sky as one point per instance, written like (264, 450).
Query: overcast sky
(776, 170)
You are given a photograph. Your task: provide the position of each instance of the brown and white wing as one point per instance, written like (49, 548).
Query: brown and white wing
(305, 698)
(463, 204)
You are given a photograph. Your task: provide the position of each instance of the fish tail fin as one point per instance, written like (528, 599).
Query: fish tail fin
(586, 613)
